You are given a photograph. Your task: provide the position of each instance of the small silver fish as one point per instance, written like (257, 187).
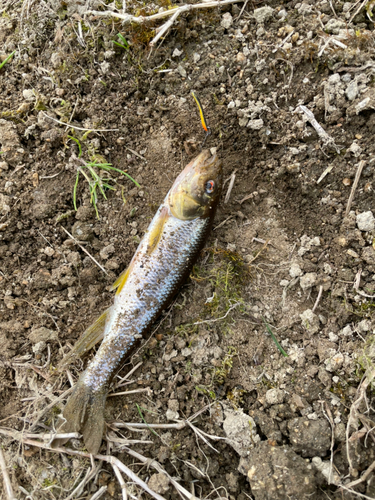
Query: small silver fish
(160, 265)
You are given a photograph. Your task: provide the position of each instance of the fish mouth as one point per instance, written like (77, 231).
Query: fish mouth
(203, 162)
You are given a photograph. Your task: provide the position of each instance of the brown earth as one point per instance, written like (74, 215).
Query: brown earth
(279, 240)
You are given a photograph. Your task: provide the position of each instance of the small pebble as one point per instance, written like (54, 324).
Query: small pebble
(366, 221)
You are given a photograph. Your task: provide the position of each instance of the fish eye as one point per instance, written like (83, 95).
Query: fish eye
(210, 187)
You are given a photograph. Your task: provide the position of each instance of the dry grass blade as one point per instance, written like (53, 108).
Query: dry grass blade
(121, 481)
(175, 13)
(105, 458)
(84, 250)
(69, 125)
(7, 484)
(155, 465)
(361, 164)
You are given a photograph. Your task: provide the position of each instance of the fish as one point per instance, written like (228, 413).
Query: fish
(160, 265)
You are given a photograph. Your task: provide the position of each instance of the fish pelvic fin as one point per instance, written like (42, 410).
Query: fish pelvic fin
(89, 338)
(84, 413)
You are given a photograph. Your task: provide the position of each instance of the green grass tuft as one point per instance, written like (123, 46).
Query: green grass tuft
(90, 172)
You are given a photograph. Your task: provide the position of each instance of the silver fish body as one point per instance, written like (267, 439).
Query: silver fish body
(161, 263)
(152, 283)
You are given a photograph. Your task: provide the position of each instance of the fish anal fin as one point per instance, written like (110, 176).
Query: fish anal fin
(89, 338)
(156, 233)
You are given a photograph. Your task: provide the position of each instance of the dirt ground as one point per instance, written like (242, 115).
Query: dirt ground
(287, 254)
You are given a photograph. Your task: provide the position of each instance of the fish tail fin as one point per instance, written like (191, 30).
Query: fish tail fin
(84, 413)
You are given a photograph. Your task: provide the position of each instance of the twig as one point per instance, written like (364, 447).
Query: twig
(8, 486)
(354, 410)
(160, 15)
(327, 139)
(135, 153)
(218, 319)
(358, 10)
(326, 172)
(361, 164)
(79, 489)
(222, 223)
(86, 252)
(120, 425)
(356, 284)
(127, 376)
(106, 458)
(80, 128)
(125, 393)
(318, 298)
(155, 465)
(332, 8)
(363, 477)
(99, 493)
(121, 481)
(230, 187)
(282, 43)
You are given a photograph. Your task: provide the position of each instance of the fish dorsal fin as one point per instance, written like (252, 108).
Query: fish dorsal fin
(89, 338)
(157, 231)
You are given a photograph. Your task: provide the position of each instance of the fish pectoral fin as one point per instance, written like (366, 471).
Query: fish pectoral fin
(89, 338)
(156, 233)
(121, 280)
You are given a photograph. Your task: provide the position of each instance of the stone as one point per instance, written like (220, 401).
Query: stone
(107, 251)
(366, 221)
(351, 91)
(310, 437)
(159, 483)
(177, 53)
(275, 396)
(43, 334)
(181, 70)
(308, 280)
(368, 255)
(4, 204)
(326, 469)
(262, 14)
(310, 321)
(227, 20)
(39, 347)
(241, 58)
(172, 415)
(28, 94)
(334, 79)
(295, 270)
(255, 124)
(240, 430)
(305, 9)
(82, 231)
(334, 25)
(335, 362)
(277, 473)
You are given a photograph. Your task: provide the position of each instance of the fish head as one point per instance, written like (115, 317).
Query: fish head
(196, 191)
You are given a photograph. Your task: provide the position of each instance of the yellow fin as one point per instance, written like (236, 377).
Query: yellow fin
(157, 231)
(121, 280)
(89, 338)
